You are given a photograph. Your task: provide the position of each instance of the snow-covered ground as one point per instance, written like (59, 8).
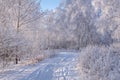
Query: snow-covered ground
(62, 67)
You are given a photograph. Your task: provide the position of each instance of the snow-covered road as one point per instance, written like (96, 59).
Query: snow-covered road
(62, 67)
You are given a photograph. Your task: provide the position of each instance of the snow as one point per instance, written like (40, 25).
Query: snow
(100, 63)
(62, 67)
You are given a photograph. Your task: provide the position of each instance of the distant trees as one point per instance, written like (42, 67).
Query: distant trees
(76, 20)
(90, 17)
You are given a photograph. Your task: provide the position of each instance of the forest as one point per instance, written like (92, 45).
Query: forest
(91, 27)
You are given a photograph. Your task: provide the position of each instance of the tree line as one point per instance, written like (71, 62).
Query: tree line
(25, 29)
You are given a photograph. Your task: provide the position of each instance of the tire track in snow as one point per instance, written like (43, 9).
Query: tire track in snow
(61, 67)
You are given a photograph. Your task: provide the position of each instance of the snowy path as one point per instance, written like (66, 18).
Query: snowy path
(61, 67)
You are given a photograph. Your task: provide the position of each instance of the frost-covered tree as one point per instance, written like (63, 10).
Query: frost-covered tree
(16, 14)
(23, 11)
(78, 17)
(100, 63)
(108, 21)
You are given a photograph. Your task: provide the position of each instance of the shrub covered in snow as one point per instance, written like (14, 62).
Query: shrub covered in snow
(100, 63)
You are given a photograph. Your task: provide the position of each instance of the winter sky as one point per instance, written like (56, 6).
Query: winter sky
(49, 4)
